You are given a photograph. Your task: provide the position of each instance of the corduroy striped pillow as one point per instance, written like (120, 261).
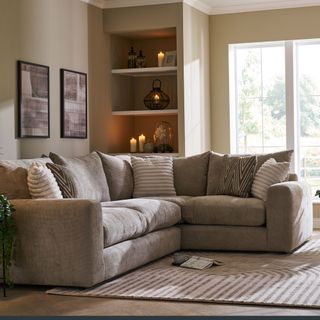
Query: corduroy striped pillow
(41, 183)
(153, 177)
(270, 172)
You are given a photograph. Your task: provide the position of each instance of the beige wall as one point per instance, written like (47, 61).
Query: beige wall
(302, 23)
(60, 34)
(54, 33)
(196, 81)
(100, 114)
(9, 146)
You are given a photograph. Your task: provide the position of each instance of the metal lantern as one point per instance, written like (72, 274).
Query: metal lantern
(156, 99)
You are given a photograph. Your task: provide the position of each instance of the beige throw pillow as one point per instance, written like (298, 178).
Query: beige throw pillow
(153, 177)
(270, 172)
(41, 183)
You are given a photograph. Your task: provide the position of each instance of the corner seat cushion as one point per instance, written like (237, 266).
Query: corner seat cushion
(224, 210)
(132, 218)
(179, 200)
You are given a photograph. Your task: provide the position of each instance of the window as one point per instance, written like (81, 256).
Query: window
(275, 101)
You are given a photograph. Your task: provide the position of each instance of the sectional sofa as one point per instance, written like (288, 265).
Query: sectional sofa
(81, 242)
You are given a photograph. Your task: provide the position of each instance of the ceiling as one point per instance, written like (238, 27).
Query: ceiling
(213, 6)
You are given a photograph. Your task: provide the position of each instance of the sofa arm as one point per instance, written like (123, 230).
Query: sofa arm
(289, 215)
(59, 242)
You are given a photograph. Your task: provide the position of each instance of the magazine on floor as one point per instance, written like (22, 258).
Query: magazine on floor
(195, 262)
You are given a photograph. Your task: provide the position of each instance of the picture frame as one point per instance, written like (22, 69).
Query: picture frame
(33, 100)
(170, 59)
(73, 91)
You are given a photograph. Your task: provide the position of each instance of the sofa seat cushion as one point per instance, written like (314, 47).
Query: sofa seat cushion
(132, 218)
(179, 200)
(224, 210)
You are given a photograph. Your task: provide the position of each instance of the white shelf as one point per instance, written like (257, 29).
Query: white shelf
(163, 112)
(145, 72)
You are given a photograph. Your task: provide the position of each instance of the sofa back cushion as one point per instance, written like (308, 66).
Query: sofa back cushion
(13, 177)
(190, 174)
(119, 175)
(87, 174)
(153, 176)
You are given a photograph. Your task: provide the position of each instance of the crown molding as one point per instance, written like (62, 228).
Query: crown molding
(250, 7)
(96, 3)
(203, 7)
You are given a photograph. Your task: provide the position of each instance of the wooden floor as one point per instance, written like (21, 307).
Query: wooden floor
(33, 301)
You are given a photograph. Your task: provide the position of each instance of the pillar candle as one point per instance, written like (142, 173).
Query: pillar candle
(133, 145)
(142, 140)
(160, 59)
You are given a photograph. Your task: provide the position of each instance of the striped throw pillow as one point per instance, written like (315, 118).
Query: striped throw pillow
(237, 176)
(64, 180)
(270, 172)
(41, 183)
(153, 177)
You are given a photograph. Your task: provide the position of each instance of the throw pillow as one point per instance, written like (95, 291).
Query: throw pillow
(87, 175)
(41, 183)
(153, 177)
(13, 177)
(237, 176)
(190, 174)
(119, 175)
(64, 179)
(270, 172)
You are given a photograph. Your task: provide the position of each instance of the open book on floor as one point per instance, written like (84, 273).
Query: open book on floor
(195, 262)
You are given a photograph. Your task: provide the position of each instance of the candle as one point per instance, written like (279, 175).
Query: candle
(142, 140)
(133, 145)
(156, 98)
(160, 58)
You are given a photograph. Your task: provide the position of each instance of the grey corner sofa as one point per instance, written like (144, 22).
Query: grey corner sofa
(81, 242)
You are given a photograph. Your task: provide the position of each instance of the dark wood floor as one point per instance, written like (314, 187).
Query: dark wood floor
(33, 301)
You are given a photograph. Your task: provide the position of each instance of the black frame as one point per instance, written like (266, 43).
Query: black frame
(62, 102)
(19, 85)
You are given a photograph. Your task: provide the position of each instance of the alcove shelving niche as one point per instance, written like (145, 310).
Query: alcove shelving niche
(129, 86)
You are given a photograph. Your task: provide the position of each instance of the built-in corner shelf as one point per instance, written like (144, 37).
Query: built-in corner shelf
(146, 72)
(165, 112)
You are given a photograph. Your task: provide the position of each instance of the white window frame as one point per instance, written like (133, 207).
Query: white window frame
(291, 78)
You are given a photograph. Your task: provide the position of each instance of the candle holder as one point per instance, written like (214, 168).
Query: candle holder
(156, 99)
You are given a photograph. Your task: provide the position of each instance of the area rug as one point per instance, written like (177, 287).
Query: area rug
(245, 278)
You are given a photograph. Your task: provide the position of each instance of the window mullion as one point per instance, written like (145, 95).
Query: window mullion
(291, 110)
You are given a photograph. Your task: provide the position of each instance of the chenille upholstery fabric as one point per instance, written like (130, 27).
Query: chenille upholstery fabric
(131, 254)
(190, 174)
(289, 215)
(127, 219)
(119, 175)
(234, 238)
(13, 177)
(224, 210)
(87, 173)
(59, 242)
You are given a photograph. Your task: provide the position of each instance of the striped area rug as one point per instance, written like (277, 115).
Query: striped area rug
(245, 278)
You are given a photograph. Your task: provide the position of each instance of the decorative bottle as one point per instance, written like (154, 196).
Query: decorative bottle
(141, 60)
(132, 58)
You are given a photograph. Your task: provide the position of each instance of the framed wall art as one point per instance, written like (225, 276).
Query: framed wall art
(73, 104)
(170, 59)
(33, 100)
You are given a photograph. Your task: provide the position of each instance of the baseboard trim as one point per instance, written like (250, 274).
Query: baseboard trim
(316, 223)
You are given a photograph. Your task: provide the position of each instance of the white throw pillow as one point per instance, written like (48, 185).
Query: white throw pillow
(41, 183)
(270, 172)
(153, 177)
